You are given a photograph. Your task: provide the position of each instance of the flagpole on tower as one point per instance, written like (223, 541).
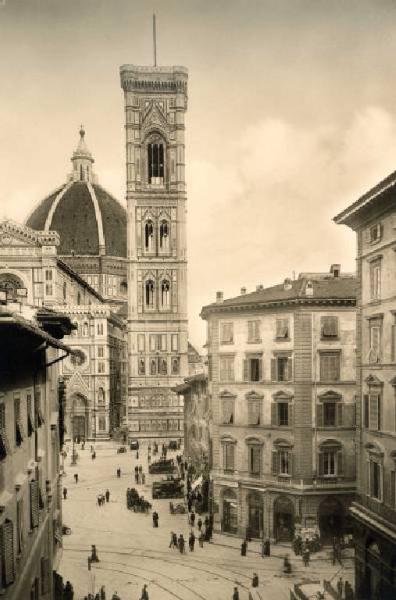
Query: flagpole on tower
(155, 41)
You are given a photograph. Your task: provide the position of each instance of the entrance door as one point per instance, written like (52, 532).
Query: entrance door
(331, 519)
(79, 427)
(230, 519)
(283, 519)
(255, 521)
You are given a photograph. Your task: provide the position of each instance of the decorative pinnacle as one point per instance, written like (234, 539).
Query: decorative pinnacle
(82, 131)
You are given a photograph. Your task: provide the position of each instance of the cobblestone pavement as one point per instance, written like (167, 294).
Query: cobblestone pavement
(133, 553)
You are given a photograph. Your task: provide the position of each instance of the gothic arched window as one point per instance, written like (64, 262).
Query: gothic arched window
(164, 235)
(155, 161)
(165, 294)
(149, 236)
(85, 330)
(101, 396)
(149, 293)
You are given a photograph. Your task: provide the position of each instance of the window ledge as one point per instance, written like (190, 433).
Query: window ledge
(258, 341)
(283, 476)
(330, 338)
(282, 339)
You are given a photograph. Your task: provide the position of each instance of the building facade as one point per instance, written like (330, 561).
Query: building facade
(282, 386)
(373, 218)
(155, 107)
(30, 437)
(95, 377)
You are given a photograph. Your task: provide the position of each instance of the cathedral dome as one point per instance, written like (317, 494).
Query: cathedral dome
(89, 220)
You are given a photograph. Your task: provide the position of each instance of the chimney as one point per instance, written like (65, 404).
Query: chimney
(309, 289)
(287, 285)
(219, 297)
(335, 270)
(259, 287)
(243, 291)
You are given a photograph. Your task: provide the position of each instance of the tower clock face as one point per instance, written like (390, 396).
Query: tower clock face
(78, 359)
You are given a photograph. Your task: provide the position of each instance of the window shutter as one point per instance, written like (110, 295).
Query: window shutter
(319, 415)
(231, 449)
(366, 411)
(34, 504)
(340, 463)
(339, 409)
(374, 412)
(44, 575)
(291, 415)
(320, 464)
(291, 464)
(273, 369)
(260, 369)
(275, 462)
(7, 547)
(289, 369)
(245, 370)
(274, 413)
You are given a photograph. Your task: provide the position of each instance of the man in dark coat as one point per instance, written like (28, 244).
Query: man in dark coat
(191, 541)
(243, 548)
(155, 519)
(68, 592)
(235, 595)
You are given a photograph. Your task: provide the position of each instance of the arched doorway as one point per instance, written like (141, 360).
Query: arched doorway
(10, 284)
(283, 519)
(255, 515)
(230, 511)
(331, 518)
(79, 417)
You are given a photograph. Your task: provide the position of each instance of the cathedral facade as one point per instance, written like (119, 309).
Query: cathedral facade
(155, 107)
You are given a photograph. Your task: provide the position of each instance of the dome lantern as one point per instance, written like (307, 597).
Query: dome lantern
(82, 161)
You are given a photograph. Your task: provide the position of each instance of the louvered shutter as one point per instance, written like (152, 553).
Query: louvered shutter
(7, 547)
(289, 369)
(44, 575)
(339, 409)
(260, 369)
(274, 413)
(34, 504)
(321, 464)
(273, 370)
(373, 416)
(245, 370)
(366, 411)
(340, 463)
(275, 462)
(291, 415)
(319, 415)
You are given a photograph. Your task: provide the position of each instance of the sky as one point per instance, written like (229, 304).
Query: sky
(291, 117)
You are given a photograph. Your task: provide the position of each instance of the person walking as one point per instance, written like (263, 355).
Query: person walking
(201, 539)
(189, 503)
(94, 554)
(64, 493)
(107, 495)
(144, 595)
(76, 477)
(199, 523)
(172, 540)
(181, 544)
(340, 588)
(306, 556)
(191, 541)
(118, 472)
(102, 593)
(235, 595)
(243, 548)
(68, 592)
(155, 519)
(255, 580)
(192, 519)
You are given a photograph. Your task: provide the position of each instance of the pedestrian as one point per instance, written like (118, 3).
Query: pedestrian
(340, 587)
(172, 540)
(192, 519)
(206, 521)
(97, 596)
(64, 493)
(243, 548)
(155, 519)
(287, 565)
(137, 477)
(68, 592)
(102, 593)
(255, 580)
(98, 499)
(181, 544)
(93, 456)
(306, 556)
(144, 595)
(107, 494)
(191, 541)
(143, 478)
(137, 454)
(94, 554)
(267, 547)
(199, 523)
(235, 595)
(76, 477)
(118, 472)
(201, 539)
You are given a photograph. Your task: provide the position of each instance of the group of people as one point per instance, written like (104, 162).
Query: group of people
(140, 477)
(344, 590)
(103, 498)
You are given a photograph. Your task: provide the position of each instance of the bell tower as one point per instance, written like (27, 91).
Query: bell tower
(155, 107)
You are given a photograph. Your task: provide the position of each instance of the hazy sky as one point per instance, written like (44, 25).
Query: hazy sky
(292, 115)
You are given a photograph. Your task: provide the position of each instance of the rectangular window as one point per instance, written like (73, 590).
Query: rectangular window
(228, 410)
(284, 462)
(100, 351)
(99, 328)
(48, 275)
(226, 368)
(254, 411)
(175, 342)
(330, 366)
(101, 367)
(375, 341)
(282, 329)
(375, 233)
(375, 479)
(254, 460)
(253, 332)
(329, 414)
(226, 333)
(252, 369)
(374, 410)
(375, 280)
(329, 463)
(283, 414)
(229, 457)
(329, 327)
(281, 368)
